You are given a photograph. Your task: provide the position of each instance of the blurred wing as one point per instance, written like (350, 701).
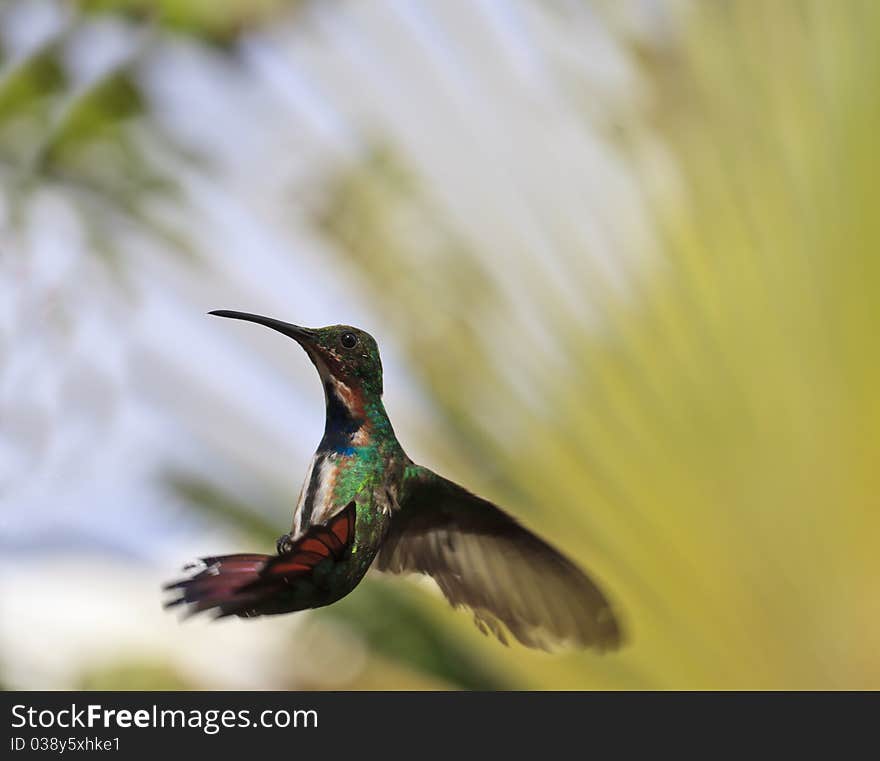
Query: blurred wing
(482, 559)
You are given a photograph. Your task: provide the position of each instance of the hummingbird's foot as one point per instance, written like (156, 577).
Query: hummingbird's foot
(284, 544)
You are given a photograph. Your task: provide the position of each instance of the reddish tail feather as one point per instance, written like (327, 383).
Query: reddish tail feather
(254, 585)
(223, 584)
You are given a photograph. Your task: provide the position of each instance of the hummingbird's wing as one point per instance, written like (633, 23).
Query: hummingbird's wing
(482, 559)
(259, 585)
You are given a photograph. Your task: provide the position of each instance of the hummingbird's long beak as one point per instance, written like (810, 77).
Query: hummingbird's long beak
(303, 336)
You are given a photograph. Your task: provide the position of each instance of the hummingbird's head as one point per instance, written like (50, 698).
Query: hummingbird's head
(347, 358)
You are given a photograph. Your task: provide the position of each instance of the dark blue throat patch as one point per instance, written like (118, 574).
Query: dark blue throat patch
(341, 425)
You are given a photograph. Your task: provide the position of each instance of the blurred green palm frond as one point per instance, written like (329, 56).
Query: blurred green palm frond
(30, 82)
(220, 21)
(80, 140)
(711, 447)
(97, 142)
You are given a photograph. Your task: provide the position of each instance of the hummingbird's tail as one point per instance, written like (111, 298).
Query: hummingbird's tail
(261, 585)
(229, 583)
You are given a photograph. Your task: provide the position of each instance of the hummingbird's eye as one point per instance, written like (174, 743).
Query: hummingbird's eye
(348, 340)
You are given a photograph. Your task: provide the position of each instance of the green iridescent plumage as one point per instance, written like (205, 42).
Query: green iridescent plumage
(365, 503)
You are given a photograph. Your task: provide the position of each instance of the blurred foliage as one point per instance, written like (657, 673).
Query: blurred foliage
(218, 21)
(83, 139)
(393, 619)
(97, 115)
(78, 139)
(29, 83)
(207, 497)
(133, 674)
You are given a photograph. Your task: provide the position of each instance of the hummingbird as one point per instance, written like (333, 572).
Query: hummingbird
(365, 503)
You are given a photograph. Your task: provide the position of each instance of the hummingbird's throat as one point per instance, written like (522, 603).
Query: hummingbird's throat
(351, 399)
(347, 424)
